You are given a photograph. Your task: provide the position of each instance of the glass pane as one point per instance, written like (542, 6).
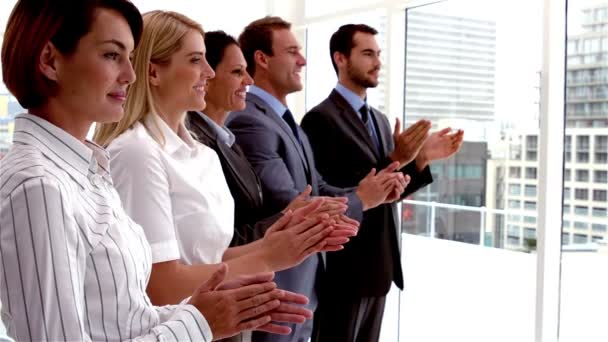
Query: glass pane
(584, 299)
(464, 69)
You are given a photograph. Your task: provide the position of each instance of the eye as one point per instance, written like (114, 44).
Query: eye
(196, 60)
(111, 55)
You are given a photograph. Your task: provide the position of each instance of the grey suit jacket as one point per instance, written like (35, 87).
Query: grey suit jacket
(283, 165)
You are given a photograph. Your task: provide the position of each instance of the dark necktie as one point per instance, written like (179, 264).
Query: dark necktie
(369, 125)
(288, 117)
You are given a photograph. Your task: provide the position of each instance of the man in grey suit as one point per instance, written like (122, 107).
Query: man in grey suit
(280, 152)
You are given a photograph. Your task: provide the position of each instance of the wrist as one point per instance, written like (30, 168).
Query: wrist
(264, 257)
(421, 161)
(364, 205)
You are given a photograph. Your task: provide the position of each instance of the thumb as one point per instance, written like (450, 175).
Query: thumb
(397, 129)
(215, 280)
(371, 173)
(392, 167)
(306, 192)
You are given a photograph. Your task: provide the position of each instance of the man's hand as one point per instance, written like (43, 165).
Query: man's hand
(375, 188)
(244, 303)
(287, 312)
(440, 145)
(330, 206)
(409, 143)
(301, 233)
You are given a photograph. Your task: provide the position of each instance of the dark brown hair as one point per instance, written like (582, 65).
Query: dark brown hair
(33, 23)
(342, 40)
(258, 36)
(216, 43)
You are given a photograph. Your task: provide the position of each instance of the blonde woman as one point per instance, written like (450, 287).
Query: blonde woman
(174, 187)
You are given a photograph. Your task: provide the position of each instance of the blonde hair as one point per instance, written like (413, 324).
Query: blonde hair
(161, 38)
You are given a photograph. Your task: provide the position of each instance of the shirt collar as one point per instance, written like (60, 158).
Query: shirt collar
(180, 143)
(353, 99)
(222, 132)
(272, 101)
(79, 160)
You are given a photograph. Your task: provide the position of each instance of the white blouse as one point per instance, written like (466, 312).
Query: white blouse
(73, 265)
(176, 192)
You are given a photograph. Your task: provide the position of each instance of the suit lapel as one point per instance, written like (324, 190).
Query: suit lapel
(200, 128)
(270, 113)
(353, 122)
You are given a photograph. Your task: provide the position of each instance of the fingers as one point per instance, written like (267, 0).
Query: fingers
(275, 329)
(245, 280)
(347, 220)
(315, 236)
(250, 291)
(443, 132)
(313, 206)
(293, 297)
(259, 309)
(281, 223)
(215, 280)
(253, 324)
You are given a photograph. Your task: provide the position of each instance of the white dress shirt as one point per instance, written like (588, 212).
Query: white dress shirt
(176, 192)
(74, 266)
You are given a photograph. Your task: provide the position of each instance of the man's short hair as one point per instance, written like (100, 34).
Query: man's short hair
(342, 40)
(258, 36)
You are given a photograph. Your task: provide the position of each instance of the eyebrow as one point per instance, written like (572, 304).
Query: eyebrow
(197, 53)
(119, 44)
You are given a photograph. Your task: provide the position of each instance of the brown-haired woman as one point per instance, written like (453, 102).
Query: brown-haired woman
(74, 266)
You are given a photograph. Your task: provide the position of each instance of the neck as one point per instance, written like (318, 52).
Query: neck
(352, 86)
(173, 117)
(73, 123)
(264, 83)
(218, 115)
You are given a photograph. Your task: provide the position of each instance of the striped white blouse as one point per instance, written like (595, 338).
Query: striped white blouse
(74, 266)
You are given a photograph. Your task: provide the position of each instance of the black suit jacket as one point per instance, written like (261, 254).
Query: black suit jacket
(344, 154)
(250, 223)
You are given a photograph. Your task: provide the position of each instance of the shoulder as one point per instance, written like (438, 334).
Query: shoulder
(134, 147)
(251, 117)
(27, 166)
(324, 112)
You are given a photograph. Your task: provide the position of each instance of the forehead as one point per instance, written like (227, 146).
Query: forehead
(233, 55)
(193, 41)
(283, 38)
(111, 25)
(363, 41)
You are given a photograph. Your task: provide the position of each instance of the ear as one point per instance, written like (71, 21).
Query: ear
(260, 59)
(339, 59)
(48, 62)
(153, 74)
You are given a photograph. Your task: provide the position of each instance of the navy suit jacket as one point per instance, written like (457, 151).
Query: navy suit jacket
(344, 154)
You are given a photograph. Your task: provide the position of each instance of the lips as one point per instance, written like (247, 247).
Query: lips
(118, 95)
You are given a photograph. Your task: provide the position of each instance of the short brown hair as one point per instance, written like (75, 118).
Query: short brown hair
(34, 23)
(258, 36)
(342, 40)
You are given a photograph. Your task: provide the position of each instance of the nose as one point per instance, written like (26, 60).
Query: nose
(207, 72)
(247, 80)
(301, 60)
(127, 74)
